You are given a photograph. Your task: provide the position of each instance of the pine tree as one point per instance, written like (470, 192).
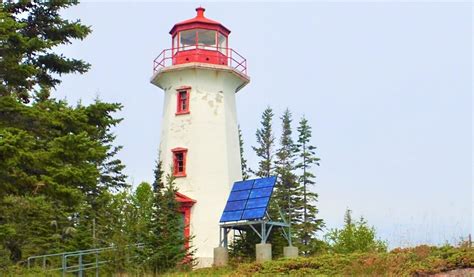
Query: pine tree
(307, 158)
(243, 161)
(265, 140)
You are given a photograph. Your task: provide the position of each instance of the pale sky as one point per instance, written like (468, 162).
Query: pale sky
(386, 87)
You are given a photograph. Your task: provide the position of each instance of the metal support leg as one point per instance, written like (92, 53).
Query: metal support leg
(226, 231)
(255, 230)
(267, 234)
(220, 236)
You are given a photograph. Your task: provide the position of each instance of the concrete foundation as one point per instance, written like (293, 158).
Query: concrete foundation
(263, 252)
(221, 256)
(290, 252)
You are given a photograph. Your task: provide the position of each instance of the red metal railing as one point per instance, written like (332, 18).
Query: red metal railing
(231, 57)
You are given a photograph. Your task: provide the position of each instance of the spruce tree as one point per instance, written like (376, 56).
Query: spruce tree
(244, 245)
(165, 248)
(307, 159)
(266, 141)
(287, 195)
(243, 161)
(30, 29)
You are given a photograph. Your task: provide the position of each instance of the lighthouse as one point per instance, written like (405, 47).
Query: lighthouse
(200, 76)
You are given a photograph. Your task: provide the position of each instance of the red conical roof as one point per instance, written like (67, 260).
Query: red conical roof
(200, 21)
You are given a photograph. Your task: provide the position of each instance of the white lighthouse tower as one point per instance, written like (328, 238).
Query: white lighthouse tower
(200, 76)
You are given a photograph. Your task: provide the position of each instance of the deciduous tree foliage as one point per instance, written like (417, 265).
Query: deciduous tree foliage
(355, 236)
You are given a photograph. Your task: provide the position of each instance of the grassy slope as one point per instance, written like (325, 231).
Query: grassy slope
(421, 260)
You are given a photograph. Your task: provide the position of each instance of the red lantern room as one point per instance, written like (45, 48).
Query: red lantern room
(200, 40)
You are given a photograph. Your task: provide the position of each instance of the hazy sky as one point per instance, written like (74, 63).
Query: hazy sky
(386, 87)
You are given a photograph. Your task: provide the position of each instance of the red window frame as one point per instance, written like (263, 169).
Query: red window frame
(179, 170)
(182, 105)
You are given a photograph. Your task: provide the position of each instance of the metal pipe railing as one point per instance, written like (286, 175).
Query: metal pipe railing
(234, 59)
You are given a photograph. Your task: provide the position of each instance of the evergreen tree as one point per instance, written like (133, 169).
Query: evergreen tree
(63, 153)
(142, 203)
(243, 161)
(27, 226)
(56, 159)
(287, 195)
(165, 248)
(28, 32)
(264, 149)
(244, 245)
(307, 158)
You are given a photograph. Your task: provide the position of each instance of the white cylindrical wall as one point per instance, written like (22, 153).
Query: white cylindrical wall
(210, 133)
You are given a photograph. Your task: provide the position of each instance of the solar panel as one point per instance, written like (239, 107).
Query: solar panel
(264, 182)
(235, 205)
(254, 213)
(248, 199)
(239, 195)
(257, 203)
(243, 185)
(231, 216)
(263, 192)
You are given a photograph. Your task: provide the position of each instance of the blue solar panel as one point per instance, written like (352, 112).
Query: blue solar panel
(235, 205)
(231, 216)
(243, 185)
(263, 192)
(254, 213)
(257, 203)
(239, 195)
(248, 199)
(264, 182)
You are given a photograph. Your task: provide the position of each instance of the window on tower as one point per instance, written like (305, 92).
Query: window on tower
(206, 39)
(179, 162)
(187, 40)
(182, 101)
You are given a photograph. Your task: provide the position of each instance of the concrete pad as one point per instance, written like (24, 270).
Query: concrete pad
(263, 252)
(221, 256)
(290, 252)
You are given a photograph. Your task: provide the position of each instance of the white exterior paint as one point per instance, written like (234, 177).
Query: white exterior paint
(210, 133)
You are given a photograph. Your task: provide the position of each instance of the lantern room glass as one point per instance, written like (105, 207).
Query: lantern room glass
(200, 39)
(206, 39)
(175, 44)
(222, 43)
(187, 40)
